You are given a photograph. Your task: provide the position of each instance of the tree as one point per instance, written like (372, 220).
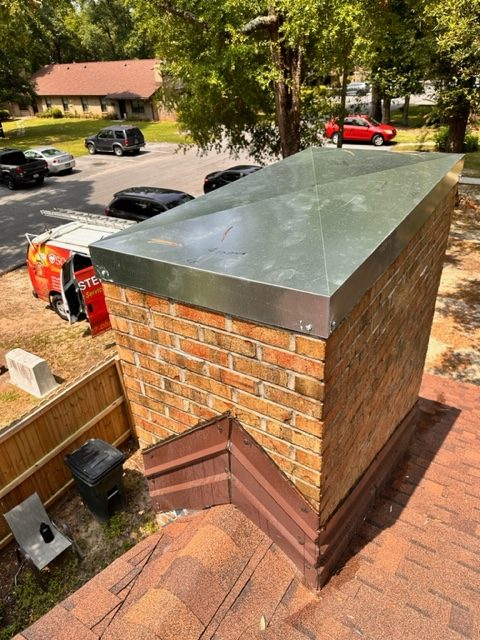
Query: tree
(237, 66)
(106, 31)
(454, 28)
(14, 62)
(399, 54)
(344, 45)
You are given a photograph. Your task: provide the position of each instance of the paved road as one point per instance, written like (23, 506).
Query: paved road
(90, 188)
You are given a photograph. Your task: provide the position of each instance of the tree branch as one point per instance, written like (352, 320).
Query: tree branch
(260, 23)
(187, 16)
(257, 24)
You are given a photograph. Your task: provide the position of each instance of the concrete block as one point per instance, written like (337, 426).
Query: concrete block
(30, 373)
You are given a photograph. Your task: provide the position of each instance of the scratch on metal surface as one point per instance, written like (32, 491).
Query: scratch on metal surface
(227, 231)
(170, 243)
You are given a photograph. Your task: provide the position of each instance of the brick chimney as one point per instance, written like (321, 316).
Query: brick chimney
(299, 300)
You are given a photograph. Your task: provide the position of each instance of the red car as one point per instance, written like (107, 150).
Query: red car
(361, 129)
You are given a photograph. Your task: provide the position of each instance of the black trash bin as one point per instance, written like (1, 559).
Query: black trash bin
(97, 468)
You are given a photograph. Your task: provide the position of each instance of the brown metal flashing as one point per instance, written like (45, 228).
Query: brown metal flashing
(191, 470)
(218, 462)
(335, 536)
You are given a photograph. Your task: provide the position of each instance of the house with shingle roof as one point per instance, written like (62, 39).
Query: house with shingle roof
(121, 88)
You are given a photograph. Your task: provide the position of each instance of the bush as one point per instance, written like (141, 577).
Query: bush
(440, 139)
(470, 143)
(53, 112)
(5, 114)
(433, 118)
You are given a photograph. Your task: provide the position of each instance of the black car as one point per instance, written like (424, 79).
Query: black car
(119, 139)
(221, 178)
(141, 203)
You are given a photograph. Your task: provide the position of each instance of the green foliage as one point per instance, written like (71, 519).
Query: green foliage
(53, 112)
(434, 118)
(106, 31)
(4, 114)
(472, 164)
(237, 72)
(116, 526)
(30, 601)
(470, 142)
(454, 34)
(419, 115)
(399, 56)
(440, 139)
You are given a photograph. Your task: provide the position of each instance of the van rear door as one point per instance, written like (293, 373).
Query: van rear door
(82, 294)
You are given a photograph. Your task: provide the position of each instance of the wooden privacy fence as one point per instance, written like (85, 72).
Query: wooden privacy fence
(32, 450)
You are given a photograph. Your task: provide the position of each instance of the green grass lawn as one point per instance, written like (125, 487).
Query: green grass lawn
(416, 135)
(472, 164)
(68, 133)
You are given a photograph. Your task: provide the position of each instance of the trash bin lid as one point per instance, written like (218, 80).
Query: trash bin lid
(93, 460)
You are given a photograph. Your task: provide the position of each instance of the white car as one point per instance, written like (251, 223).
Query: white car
(57, 160)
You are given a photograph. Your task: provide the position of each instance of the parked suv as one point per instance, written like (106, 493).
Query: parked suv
(141, 203)
(119, 139)
(361, 129)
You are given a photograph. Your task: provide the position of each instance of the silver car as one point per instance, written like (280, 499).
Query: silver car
(358, 88)
(57, 160)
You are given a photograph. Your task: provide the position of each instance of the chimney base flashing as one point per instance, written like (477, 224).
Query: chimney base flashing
(186, 471)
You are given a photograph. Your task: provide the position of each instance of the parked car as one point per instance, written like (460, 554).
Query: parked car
(56, 160)
(361, 129)
(141, 203)
(16, 169)
(357, 88)
(221, 178)
(119, 139)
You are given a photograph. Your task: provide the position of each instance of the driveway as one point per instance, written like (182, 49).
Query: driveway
(90, 189)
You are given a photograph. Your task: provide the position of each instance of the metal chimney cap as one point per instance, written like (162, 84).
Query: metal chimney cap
(295, 245)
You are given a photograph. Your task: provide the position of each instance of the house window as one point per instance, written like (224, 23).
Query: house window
(103, 105)
(138, 106)
(85, 106)
(65, 104)
(48, 103)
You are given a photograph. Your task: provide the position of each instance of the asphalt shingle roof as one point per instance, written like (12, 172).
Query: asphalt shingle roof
(115, 79)
(412, 571)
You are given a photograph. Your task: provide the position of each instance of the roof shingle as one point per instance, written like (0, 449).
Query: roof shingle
(412, 570)
(118, 79)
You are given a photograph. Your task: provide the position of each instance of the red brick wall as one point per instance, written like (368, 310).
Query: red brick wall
(322, 409)
(182, 365)
(375, 360)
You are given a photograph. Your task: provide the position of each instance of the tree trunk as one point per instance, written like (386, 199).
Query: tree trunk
(406, 111)
(343, 102)
(387, 102)
(376, 107)
(288, 63)
(457, 126)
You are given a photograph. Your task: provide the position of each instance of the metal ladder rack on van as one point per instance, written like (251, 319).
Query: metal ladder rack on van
(90, 218)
